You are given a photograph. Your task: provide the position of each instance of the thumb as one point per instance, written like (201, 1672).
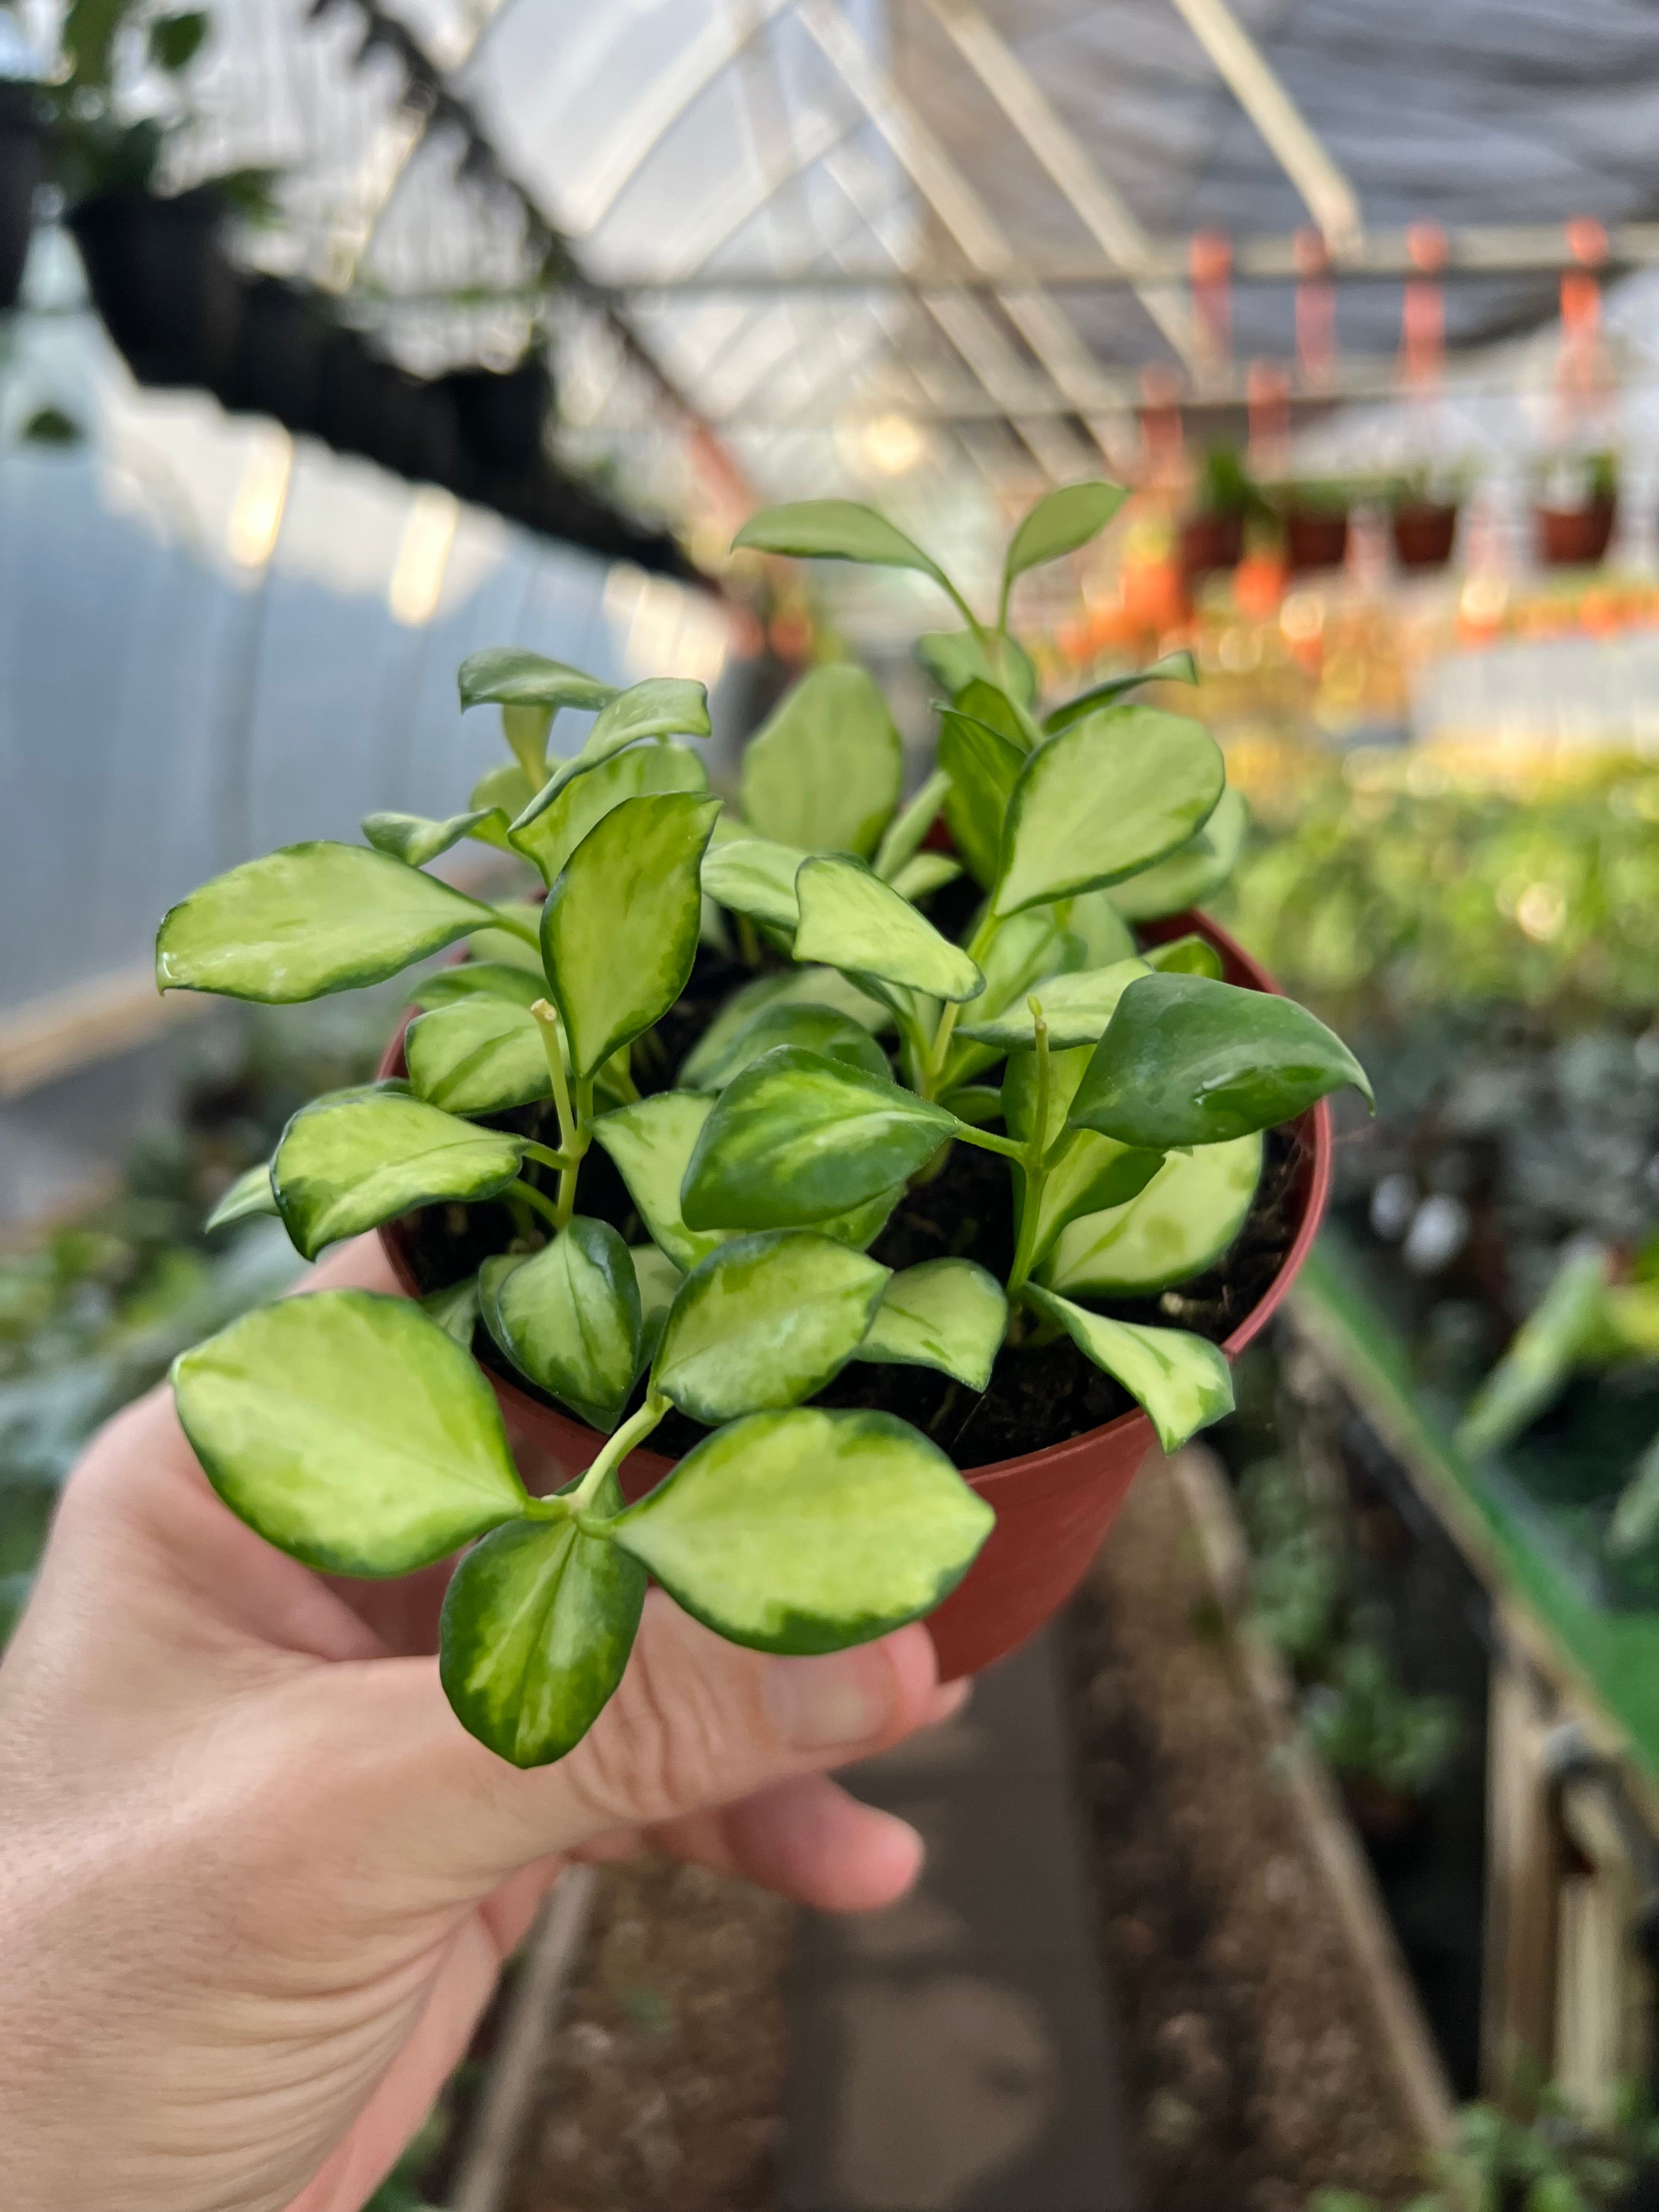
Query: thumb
(696, 1722)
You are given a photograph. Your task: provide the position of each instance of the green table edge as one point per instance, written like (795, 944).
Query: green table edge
(1614, 1657)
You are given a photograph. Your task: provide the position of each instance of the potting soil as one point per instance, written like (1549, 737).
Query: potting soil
(1039, 1394)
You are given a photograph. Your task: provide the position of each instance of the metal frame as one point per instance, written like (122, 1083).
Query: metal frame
(1331, 199)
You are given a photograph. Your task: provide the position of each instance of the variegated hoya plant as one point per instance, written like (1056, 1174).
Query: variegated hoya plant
(356, 1430)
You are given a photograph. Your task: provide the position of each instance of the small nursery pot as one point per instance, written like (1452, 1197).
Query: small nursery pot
(163, 283)
(1423, 534)
(22, 169)
(1210, 542)
(1315, 538)
(1574, 536)
(1053, 1507)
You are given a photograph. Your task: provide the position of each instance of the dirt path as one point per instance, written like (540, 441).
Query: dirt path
(1253, 2068)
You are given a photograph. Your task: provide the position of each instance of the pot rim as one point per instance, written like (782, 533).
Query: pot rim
(1075, 1453)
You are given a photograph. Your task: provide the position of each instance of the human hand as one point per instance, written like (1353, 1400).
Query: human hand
(256, 1882)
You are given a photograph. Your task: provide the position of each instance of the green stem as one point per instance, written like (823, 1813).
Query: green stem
(518, 924)
(989, 1141)
(573, 1134)
(1035, 1162)
(619, 1075)
(980, 633)
(614, 1451)
(941, 1046)
(545, 1156)
(749, 943)
(539, 1199)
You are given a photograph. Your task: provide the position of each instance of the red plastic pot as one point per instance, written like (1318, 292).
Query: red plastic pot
(1315, 538)
(1574, 536)
(1210, 542)
(1053, 1507)
(1423, 534)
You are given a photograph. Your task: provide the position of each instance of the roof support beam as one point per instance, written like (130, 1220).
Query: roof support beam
(1330, 198)
(974, 335)
(668, 97)
(975, 230)
(1101, 208)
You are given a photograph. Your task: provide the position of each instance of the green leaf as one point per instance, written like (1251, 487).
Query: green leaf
(1635, 1520)
(1188, 1061)
(505, 788)
(789, 986)
(1060, 523)
(505, 948)
(814, 1028)
(478, 1054)
(1019, 1090)
(1193, 872)
(1191, 955)
(414, 840)
(537, 1624)
(1567, 1325)
(902, 838)
(354, 1158)
(455, 1310)
(1178, 667)
(249, 1195)
(763, 1323)
(651, 1141)
(659, 1279)
(753, 876)
(983, 767)
(807, 1531)
(1104, 799)
(984, 702)
(349, 1432)
(825, 772)
(470, 979)
(976, 1104)
(513, 677)
(850, 919)
(1026, 949)
(1187, 1213)
(661, 707)
(175, 40)
(570, 1318)
(1076, 1007)
(835, 530)
(926, 873)
(797, 1138)
(1182, 1381)
(954, 657)
(307, 921)
(1090, 1175)
(587, 797)
(619, 927)
(1106, 938)
(526, 729)
(948, 1314)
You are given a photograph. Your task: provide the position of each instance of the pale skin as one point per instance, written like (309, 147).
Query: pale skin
(256, 1883)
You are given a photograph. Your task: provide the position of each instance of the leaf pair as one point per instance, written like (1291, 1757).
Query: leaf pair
(841, 530)
(841, 913)
(349, 1429)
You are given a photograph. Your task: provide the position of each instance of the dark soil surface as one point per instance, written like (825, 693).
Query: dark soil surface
(664, 2076)
(1039, 1394)
(1253, 2072)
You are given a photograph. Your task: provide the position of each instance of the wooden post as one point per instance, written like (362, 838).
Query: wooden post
(1524, 1864)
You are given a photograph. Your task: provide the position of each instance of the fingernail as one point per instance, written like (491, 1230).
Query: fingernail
(845, 1698)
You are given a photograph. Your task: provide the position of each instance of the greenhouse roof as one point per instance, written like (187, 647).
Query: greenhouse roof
(817, 220)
